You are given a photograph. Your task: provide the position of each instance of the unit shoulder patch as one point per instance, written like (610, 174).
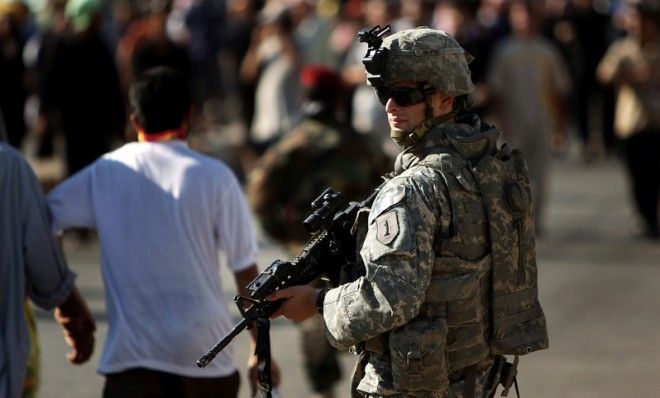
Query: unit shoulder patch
(387, 227)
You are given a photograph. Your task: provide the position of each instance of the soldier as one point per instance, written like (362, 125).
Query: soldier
(450, 277)
(283, 185)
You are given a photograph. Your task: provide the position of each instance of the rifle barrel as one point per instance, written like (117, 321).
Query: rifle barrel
(210, 354)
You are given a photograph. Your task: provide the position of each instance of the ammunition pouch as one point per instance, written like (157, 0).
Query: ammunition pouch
(418, 355)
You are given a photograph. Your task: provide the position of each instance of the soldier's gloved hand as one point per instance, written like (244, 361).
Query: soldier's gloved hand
(79, 327)
(299, 304)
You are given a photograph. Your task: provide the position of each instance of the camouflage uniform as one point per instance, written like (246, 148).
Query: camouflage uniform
(390, 306)
(315, 155)
(443, 296)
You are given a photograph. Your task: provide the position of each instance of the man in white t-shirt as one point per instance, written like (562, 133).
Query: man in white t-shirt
(163, 212)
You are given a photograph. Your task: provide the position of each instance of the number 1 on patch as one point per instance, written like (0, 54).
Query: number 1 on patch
(387, 227)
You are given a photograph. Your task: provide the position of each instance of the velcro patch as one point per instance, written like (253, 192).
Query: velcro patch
(387, 227)
(388, 199)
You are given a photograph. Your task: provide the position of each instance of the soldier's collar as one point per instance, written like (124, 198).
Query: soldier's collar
(417, 134)
(469, 137)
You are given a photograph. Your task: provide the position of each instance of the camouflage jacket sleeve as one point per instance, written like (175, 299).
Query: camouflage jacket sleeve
(398, 256)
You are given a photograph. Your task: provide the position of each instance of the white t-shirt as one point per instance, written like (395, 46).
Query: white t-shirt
(163, 212)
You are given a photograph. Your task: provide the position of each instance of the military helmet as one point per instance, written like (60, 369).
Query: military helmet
(430, 55)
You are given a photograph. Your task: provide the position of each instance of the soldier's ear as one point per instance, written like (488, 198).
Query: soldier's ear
(442, 103)
(448, 101)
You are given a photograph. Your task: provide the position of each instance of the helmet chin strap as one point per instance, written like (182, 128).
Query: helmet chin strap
(411, 138)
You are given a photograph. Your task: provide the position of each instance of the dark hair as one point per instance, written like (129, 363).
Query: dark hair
(161, 99)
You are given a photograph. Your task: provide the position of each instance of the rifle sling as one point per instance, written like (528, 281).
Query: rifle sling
(262, 350)
(470, 381)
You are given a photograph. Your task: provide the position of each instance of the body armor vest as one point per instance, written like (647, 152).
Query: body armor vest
(518, 322)
(482, 299)
(461, 281)
(485, 275)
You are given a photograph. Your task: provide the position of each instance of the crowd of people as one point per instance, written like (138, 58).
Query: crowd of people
(66, 67)
(289, 73)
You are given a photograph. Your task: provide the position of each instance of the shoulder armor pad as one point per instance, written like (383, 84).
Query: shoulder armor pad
(391, 196)
(473, 143)
(438, 161)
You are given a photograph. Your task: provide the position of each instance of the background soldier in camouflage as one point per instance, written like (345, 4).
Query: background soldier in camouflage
(449, 260)
(322, 151)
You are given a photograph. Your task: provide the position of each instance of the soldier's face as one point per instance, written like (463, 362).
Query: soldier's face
(404, 118)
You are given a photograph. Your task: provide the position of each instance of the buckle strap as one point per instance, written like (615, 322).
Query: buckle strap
(509, 372)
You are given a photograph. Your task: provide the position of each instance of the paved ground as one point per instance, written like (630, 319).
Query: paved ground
(598, 284)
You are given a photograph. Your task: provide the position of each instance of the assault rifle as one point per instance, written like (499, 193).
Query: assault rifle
(330, 251)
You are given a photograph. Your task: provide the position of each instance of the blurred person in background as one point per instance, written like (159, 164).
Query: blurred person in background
(282, 186)
(145, 45)
(492, 19)
(163, 213)
(459, 19)
(448, 16)
(33, 267)
(595, 111)
(47, 44)
(348, 23)
(491, 15)
(632, 65)
(528, 85)
(581, 30)
(312, 32)
(81, 86)
(272, 61)
(81, 93)
(241, 20)
(12, 70)
(205, 22)
(414, 13)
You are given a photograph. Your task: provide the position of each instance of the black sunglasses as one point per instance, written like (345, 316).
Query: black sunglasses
(404, 96)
